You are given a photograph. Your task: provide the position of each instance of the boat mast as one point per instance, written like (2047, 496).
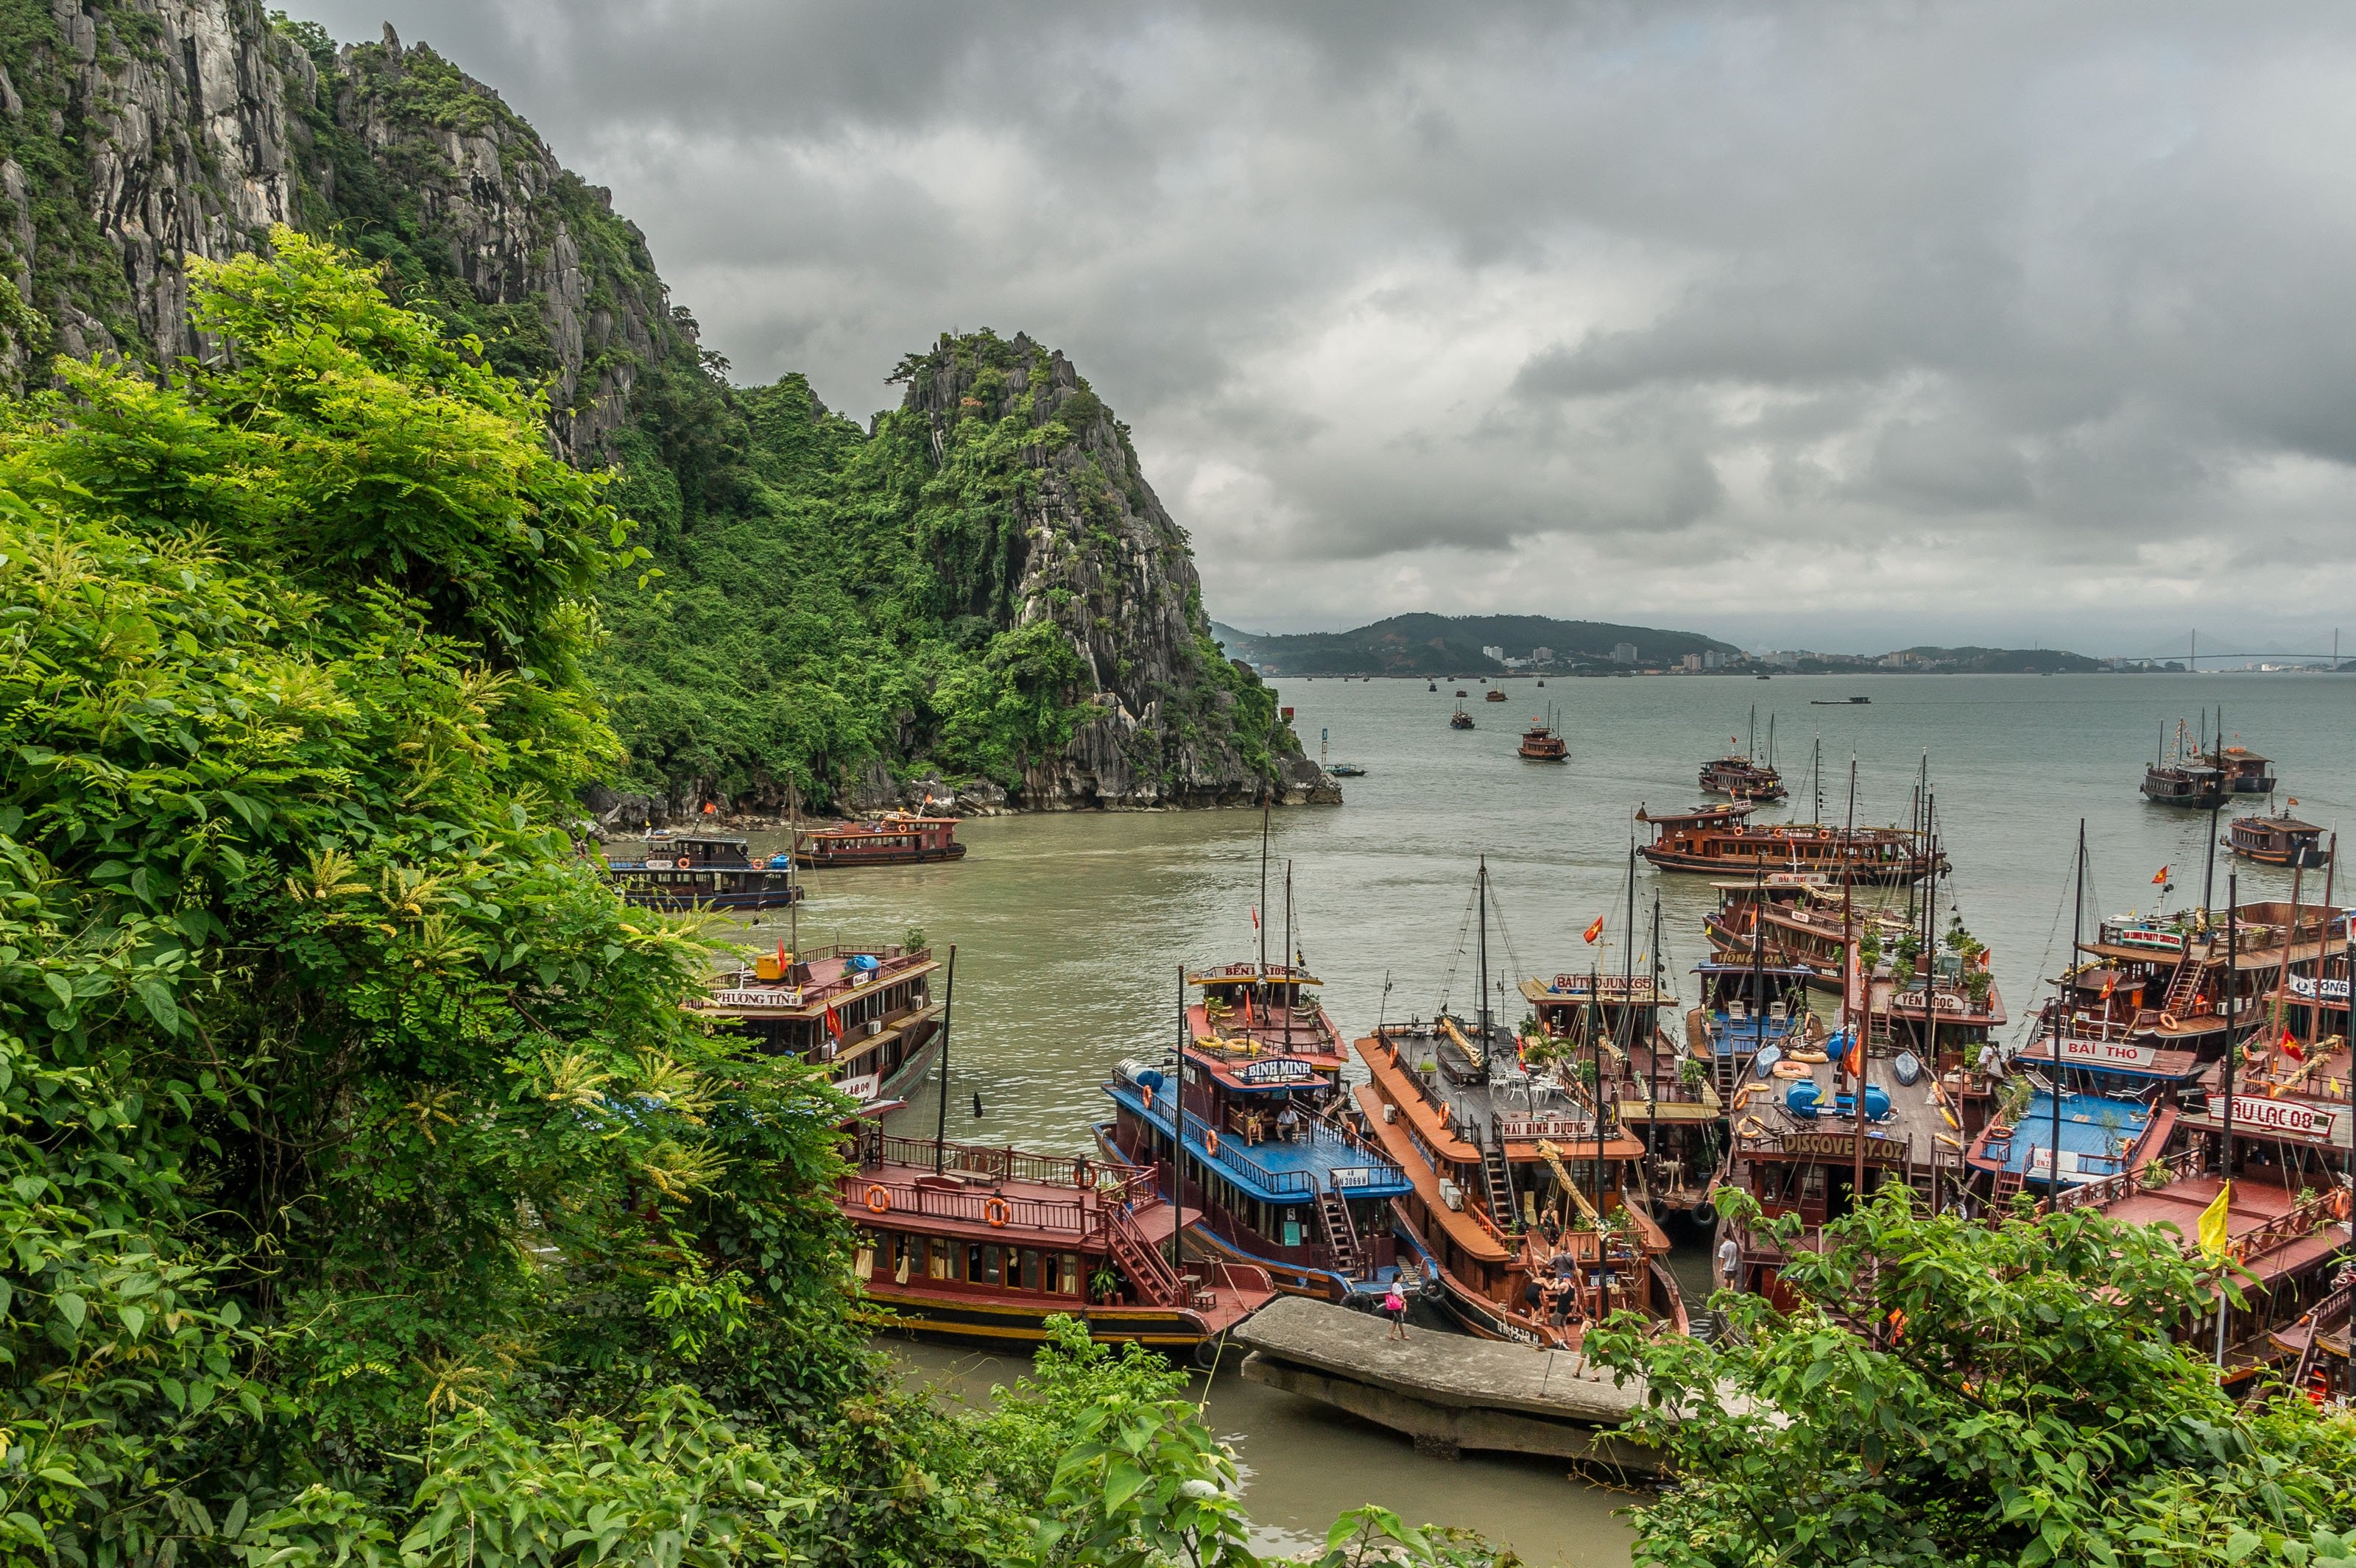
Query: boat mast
(1817, 774)
(1481, 892)
(2232, 998)
(1653, 1040)
(1293, 973)
(2077, 928)
(1178, 1132)
(1753, 752)
(941, 1120)
(1262, 911)
(793, 866)
(1857, 1041)
(1771, 741)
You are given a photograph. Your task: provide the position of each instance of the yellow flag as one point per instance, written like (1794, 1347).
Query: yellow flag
(2212, 1222)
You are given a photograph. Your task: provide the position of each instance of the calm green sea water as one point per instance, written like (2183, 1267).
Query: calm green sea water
(1071, 929)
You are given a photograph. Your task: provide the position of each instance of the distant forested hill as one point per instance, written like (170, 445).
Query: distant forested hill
(1446, 644)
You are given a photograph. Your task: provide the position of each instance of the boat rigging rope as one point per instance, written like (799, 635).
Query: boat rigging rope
(2044, 967)
(1463, 930)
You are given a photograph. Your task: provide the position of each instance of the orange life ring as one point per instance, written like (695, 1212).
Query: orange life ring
(2168, 1021)
(1210, 1140)
(878, 1199)
(994, 1212)
(1145, 1092)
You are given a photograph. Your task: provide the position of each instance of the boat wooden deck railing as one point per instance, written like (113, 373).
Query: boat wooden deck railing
(1076, 1216)
(2283, 1229)
(1003, 1163)
(2125, 1184)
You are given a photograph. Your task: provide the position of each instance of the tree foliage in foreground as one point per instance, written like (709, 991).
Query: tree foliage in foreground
(368, 1196)
(1957, 1394)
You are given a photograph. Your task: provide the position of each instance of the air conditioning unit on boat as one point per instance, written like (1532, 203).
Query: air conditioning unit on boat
(1390, 1115)
(1450, 1194)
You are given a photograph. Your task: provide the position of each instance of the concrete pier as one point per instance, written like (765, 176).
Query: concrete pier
(1446, 1391)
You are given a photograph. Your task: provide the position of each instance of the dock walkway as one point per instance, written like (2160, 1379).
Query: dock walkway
(1446, 1391)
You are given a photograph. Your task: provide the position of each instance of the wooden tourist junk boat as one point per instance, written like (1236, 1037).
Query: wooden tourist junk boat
(1742, 775)
(1660, 1094)
(1540, 743)
(1526, 1217)
(865, 1014)
(1721, 838)
(968, 1242)
(1459, 720)
(1282, 1178)
(705, 871)
(1745, 1010)
(1495, 694)
(2199, 772)
(1793, 919)
(2280, 839)
(895, 840)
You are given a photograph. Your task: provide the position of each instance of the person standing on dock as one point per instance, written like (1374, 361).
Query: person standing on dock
(1730, 1259)
(1395, 1308)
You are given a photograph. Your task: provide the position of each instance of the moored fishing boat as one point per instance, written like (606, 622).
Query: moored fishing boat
(898, 839)
(865, 1014)
(968, 1242)
(703, 871)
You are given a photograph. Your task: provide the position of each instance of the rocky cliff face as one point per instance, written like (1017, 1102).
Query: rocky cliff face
(138, 132)
(1091, 548)
(134, 133)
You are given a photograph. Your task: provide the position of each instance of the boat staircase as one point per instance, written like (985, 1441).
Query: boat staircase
(1341, 1240)
(2182, 986)
(1498, 1177)
(2333, 1308)
(2008, 1182)
(1155, 1280)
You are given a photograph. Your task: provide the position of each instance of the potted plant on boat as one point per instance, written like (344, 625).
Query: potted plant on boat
(1105, 1286)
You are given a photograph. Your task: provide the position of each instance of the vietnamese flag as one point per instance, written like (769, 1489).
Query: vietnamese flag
(1595, 931)
(833, 1023)
(2159, 877)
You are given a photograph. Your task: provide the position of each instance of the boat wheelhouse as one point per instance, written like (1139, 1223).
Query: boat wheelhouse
(970, 1242)
(703, 871)
(1528, 1214)
(895, 840)
(2246, 771)
(1720, 838)
(1945, 1013)
(2280, 839)
(864, 1014)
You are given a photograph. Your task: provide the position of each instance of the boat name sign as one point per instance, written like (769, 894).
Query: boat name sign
(790, 997)
(2333, 990)
(1842, 1145)
(1279, 1069)
(2293, 1116)
(2107, 1053)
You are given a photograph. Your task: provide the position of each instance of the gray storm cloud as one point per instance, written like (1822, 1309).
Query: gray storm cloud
(1976, 322)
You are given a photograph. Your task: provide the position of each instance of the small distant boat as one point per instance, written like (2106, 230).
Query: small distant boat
(1541, 744)
(2281, 840)
(1459, 720)
(705, 871)
(1433, 685)
(1497, 694)
(1766, 678)
(1460, 691)
(1836, 701)
(893, 840)
(1541, 680)
(1347, 770)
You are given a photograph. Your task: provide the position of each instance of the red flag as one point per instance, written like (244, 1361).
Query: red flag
(1255, 915)
(2159, 877)
(781, 956)
(1854, 1062)
(2110, 984)
(1595, 930)
(2290, 1046)
(833, 1023)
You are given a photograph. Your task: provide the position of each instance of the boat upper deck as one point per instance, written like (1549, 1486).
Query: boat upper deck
(2100, 1135)
(1919, 1128)
(1048, 1199)
(832, 973)
(1317, 1159)
(1458, 1111)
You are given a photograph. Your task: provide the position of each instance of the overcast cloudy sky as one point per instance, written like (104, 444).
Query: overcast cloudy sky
(1843, 326)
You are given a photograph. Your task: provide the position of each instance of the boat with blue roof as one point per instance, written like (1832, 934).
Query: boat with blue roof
(1279, 1176)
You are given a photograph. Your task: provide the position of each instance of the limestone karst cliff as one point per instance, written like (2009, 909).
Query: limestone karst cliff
(1021, 623)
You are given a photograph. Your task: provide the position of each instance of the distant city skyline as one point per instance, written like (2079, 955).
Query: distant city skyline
(1993, 322)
